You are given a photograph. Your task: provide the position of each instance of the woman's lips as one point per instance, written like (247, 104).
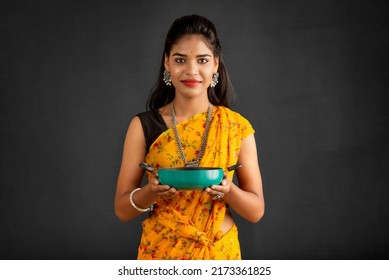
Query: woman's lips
(190, 82)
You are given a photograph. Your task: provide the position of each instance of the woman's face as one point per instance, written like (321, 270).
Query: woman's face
(191, 65)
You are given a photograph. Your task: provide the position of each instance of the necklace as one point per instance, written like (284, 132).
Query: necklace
(194, 163)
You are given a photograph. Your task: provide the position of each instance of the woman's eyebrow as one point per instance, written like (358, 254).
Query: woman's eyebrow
(184, 55)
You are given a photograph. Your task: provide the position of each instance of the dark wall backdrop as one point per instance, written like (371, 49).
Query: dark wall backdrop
(311, 76)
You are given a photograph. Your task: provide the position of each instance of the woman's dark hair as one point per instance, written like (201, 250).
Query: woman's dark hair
(161, 94)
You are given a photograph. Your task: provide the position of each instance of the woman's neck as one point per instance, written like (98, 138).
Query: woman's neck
(185, 109)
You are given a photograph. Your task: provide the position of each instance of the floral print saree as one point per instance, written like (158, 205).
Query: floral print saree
(187, 226)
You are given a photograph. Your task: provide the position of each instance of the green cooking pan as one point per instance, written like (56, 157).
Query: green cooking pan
(188, 178)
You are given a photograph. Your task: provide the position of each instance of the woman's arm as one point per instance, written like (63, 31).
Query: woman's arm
(130, 176)
(247, 200)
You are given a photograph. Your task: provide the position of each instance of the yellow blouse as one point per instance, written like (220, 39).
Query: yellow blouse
(187, 226)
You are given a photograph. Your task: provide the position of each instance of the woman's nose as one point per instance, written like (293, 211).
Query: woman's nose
(192, 68)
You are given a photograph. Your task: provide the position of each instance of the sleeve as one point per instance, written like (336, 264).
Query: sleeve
(153, 125)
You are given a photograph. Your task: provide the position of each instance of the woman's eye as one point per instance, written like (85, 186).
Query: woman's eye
(180, 60)
(203, 61)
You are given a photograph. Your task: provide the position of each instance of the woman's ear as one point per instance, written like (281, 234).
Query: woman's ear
(166, 63)
(216, 66)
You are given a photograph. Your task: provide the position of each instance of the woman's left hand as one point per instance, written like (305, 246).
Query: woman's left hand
(218, 191)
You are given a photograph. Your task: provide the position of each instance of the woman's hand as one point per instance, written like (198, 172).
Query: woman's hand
(161, 190)
(218, 191)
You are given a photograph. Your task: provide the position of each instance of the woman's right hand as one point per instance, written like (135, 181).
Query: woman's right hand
(161, 190)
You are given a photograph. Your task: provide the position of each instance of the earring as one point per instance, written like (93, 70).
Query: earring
(167, 78)
(215, 80)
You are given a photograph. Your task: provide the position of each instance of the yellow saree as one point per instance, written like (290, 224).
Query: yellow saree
(187, 226)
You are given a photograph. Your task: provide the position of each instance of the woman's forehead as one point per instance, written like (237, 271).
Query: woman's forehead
(191, 44)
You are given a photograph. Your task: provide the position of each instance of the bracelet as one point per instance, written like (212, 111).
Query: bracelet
(136, 207)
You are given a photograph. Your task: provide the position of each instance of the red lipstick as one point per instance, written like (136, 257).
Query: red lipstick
(191, 82)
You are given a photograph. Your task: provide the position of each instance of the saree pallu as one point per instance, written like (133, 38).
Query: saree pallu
(187, 226)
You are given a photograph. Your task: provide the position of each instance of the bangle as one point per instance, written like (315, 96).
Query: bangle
(150, 208)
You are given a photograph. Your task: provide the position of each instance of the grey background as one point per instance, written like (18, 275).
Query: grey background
(311, 76)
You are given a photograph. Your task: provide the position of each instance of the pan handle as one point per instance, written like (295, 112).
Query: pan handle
(147, 167)
(234, 167)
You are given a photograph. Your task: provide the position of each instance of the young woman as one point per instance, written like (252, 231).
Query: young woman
(190, 124)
